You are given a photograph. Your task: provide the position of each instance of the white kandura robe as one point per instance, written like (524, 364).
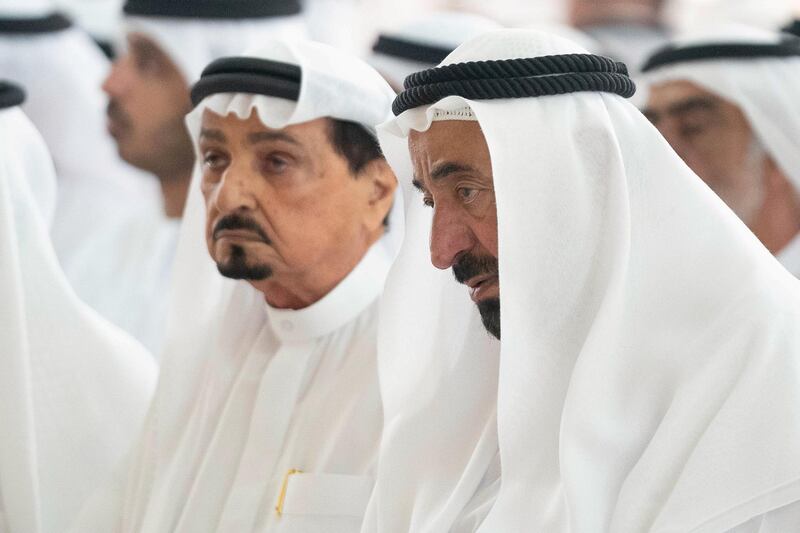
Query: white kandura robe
(124, 273)
(302, 394)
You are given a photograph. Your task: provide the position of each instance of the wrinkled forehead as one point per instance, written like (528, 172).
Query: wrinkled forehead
(230, 127)
(682, 96)
(446, 148)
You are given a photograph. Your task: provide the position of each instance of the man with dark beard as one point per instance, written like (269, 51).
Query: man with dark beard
(648, 377)
(268, 416)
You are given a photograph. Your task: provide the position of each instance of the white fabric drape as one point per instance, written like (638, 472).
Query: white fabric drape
(73, 388)
(649, 374)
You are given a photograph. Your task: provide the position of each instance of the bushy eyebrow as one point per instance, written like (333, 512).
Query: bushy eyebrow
(445, 169)
(266, 136)
(213, 135)
(440, 171)
(683, 107)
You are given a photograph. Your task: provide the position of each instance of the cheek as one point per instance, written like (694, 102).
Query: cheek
(486, 232)
(314, 226)
(484, 217)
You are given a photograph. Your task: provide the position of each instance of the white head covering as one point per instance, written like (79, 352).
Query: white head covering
(25, 8)
(444, 29)
(212, 317)
(192, 43)
(649, 364)
(766, 89)
(73, 389)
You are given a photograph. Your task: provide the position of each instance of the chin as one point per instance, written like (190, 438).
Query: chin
(237, 265)
(489, 308)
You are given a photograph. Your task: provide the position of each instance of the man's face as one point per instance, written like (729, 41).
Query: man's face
(714, 138)
(453, 172)
(284, 209)
(148, 99)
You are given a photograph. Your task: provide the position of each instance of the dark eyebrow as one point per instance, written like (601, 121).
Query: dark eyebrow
(651, 114)
(265, 136)
(698, 103)
(145, 47)
(442, 170)
(213, 135)
(418, 185)
(683, 107)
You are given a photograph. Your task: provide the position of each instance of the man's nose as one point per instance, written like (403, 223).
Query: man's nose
(115, 83)
(450, 236)
(234, 191)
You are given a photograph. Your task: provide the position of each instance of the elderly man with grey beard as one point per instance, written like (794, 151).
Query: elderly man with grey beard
(726, 102)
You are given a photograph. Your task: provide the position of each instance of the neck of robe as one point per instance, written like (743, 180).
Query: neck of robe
(357, 291)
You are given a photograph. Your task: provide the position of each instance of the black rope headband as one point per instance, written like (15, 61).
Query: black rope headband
(413, 51)
(515, 78)
(248, 75)
(46, 24)
(793, 27)
(788, 47)
(10, 95)
(213, 9)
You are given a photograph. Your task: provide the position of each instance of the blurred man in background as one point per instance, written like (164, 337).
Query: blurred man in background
(726, 102)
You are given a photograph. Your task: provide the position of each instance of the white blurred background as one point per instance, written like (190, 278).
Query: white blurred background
(354, 23)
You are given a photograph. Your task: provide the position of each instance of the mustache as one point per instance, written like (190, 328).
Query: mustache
(114, 112)
(236, 221)
(468, 266)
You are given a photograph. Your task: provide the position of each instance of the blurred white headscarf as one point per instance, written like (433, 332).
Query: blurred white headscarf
(193, 39)
(424, 42)
(73, 388)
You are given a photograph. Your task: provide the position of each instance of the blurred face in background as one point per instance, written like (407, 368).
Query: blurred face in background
(714, 138)
(148, 99)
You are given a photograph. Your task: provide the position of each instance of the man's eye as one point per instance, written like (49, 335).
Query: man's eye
(275, 164)
(467, 194)
(147, 64)
(690, 130)
(427, 201)
(213, 161)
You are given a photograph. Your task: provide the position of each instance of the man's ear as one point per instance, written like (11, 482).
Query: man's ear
(382, 184)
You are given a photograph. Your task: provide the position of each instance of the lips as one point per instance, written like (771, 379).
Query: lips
(238, 235)
(481, 286)
(116, 120)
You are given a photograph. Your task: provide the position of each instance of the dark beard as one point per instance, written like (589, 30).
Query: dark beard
(236, 267)
(469, 266)
(490, 315)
